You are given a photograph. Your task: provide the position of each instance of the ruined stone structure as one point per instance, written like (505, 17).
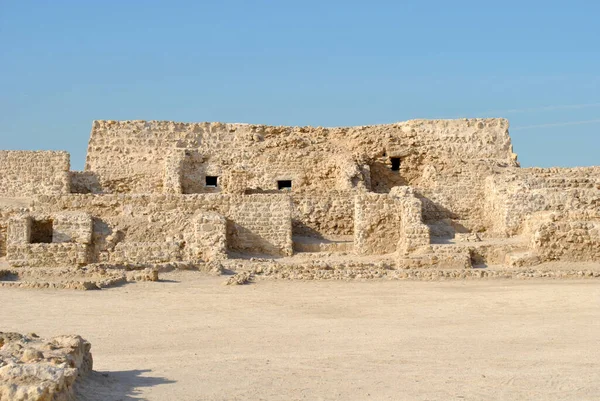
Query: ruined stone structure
(439, 193)
(36, 369)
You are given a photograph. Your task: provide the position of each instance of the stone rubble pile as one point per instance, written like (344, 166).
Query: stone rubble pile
(35, 369)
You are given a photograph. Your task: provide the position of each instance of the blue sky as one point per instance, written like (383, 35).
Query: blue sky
(323, 63)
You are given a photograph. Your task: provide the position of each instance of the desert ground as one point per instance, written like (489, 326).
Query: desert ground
(189, 337)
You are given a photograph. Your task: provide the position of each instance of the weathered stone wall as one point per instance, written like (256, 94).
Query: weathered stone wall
(84, 182)
(72, 227)
(68, 246)
(377, 224)
(35, 369)
(133, 156)
(145, 252)
(323, 215)
(414, 234)
(568, 236)
(27, 173)
(456, 195)
(518, 193)
(211, 237)
(259, 223)
(47, 255)
(445, 160)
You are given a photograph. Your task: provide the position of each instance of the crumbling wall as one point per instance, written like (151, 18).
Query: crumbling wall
(137, 156)
(570, 236)
(47, 255)
(377, 221)
(145, 252)
(259, 223)
(512, 197)
(72, 227)
(35, 369)
(387, 223)
(28, 173)
(67, 246)
(323, 215)
(84, 182)
(414, 234)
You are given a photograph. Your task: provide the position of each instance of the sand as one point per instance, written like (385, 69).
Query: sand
(191, 338)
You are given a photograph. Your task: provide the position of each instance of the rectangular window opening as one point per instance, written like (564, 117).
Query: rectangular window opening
(212, 181)
(395, 163)
(284, 184)
(41, 232)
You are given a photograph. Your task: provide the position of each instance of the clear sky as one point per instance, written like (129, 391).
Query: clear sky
(323, 63)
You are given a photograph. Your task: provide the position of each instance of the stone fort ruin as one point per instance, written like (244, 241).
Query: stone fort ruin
(419, 194)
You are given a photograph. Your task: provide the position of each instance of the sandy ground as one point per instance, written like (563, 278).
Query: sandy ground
(191, 338)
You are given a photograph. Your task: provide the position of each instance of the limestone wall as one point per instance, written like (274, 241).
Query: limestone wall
(36, 369)
(145, 252)
(84, 182)
(68, 245)
(26, 173)
(147, 156)
(323, 215)
(518, 193)
(414, 234)
(72, 227)
(47, 255)
(261, 223)
(211, 237)
(570, 236)
(377, 224)
(258, 223)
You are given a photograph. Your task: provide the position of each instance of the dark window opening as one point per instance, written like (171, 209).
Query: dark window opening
(41, 232)
(284, 184)
(211, 181)
(395, 163)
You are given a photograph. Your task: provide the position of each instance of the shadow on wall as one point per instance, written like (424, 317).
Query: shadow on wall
(112, 386)
(383, 178)
(242, 239)
(85, 182)
(442, 221)
(301, 229)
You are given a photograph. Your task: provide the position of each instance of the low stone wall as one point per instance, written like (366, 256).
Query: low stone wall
(72, 227)
(567, 239)
(255, 223)
(513, 196)
(146, 252)
(387, 223)
(377, 224)
(414, 234)
(323, 215)
(261, 223)
(47, 255)
(28, 173)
